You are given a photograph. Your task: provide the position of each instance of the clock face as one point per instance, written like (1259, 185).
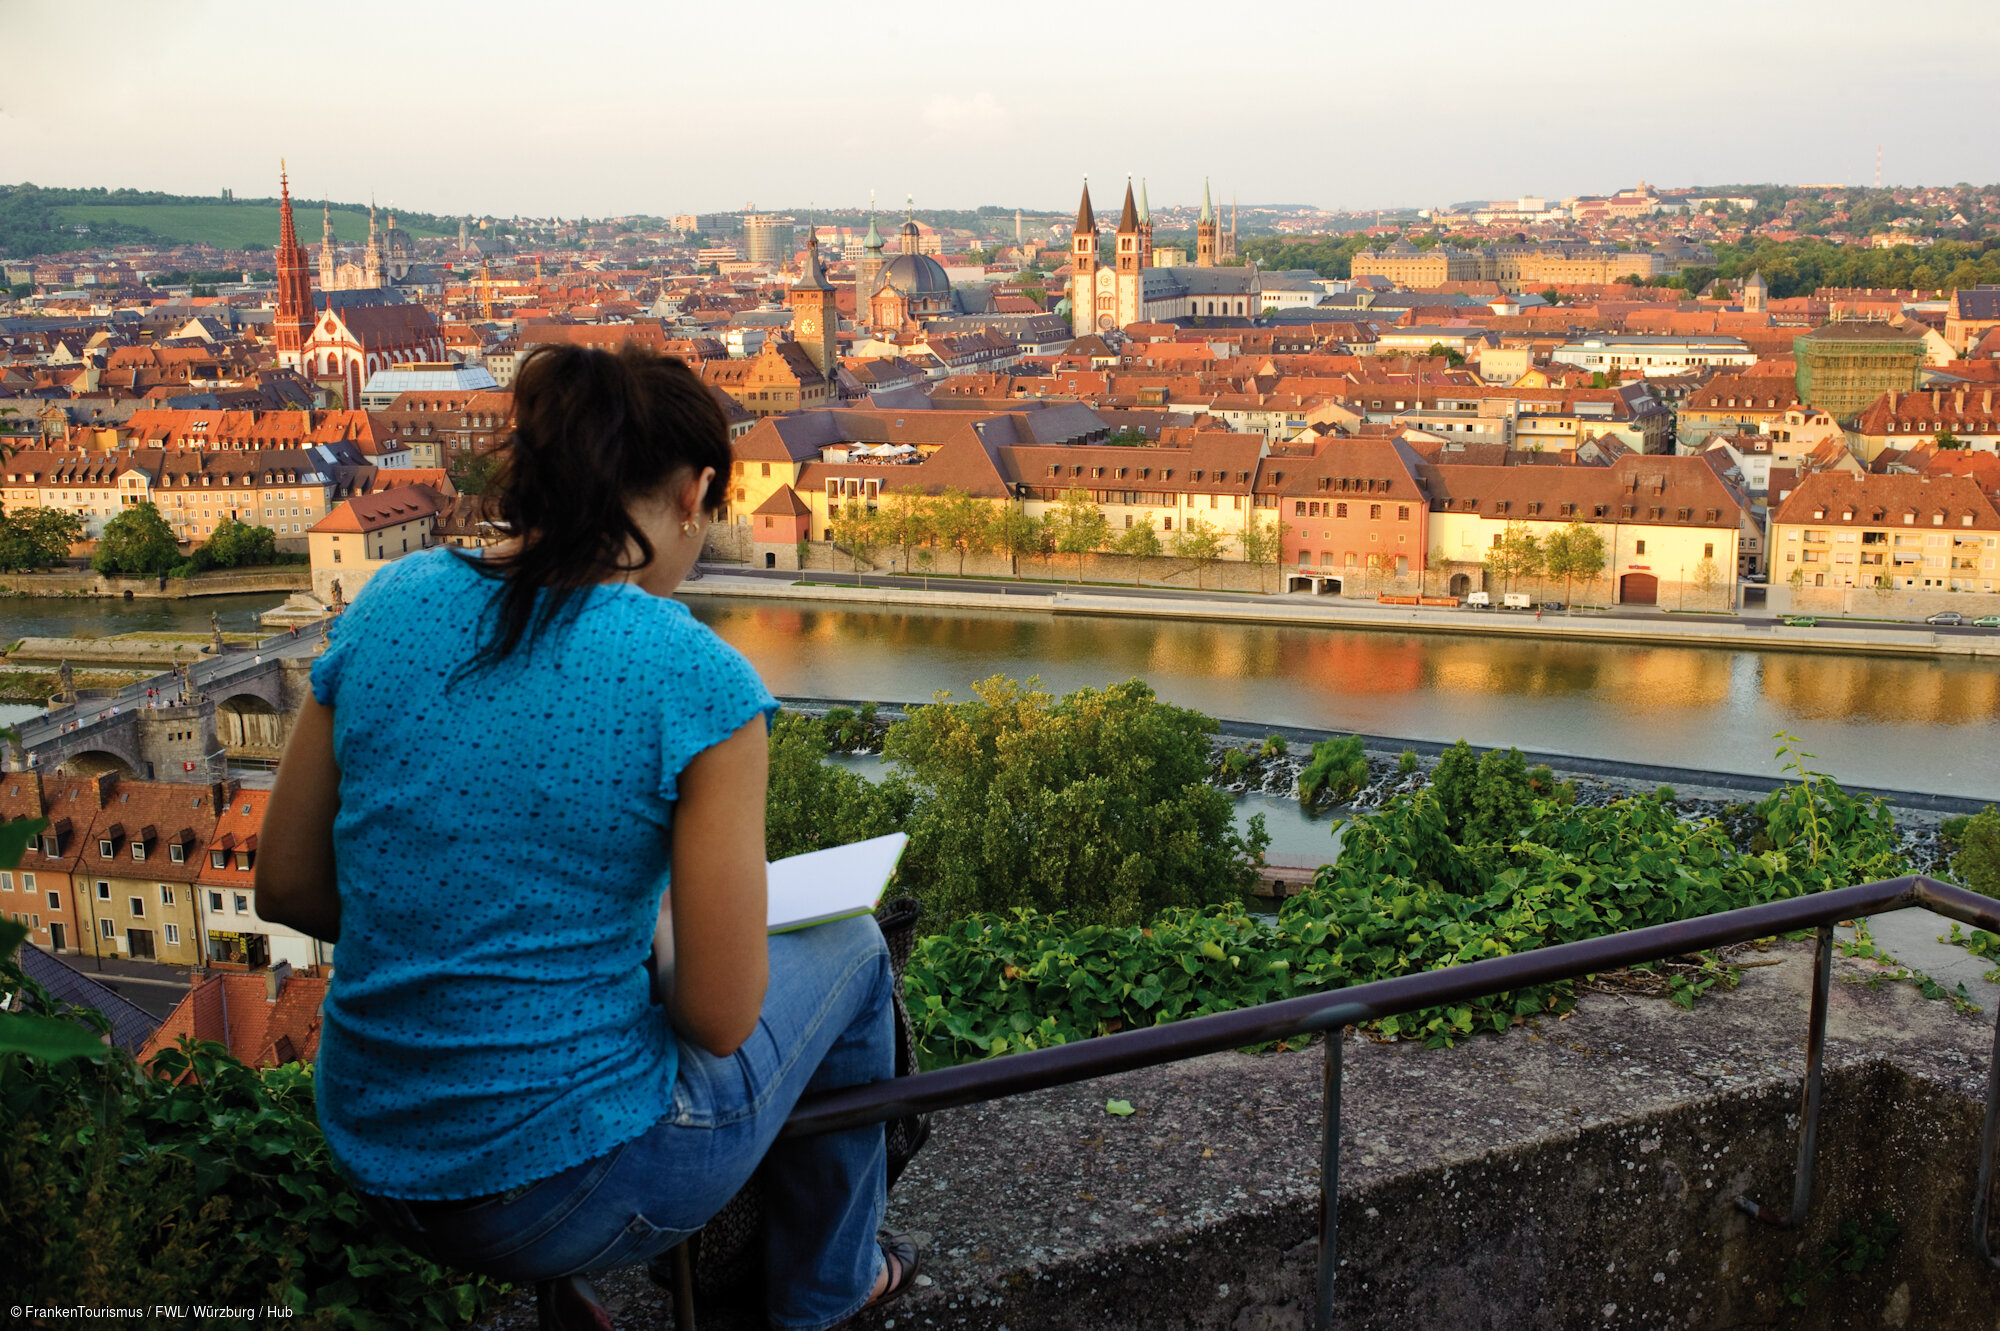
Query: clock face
(808, 324)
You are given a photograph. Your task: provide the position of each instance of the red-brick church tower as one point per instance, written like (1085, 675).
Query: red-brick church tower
(294, 324)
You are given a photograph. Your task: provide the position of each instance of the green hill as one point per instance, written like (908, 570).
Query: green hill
(233, 226)
(51, 221)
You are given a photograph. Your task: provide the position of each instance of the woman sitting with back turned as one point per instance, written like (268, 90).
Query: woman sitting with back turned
(505, 762)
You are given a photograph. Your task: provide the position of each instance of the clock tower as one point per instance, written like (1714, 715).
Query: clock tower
(815, 320)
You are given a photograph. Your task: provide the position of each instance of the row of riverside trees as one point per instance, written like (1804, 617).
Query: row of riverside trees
(954, 523)
(138, 543)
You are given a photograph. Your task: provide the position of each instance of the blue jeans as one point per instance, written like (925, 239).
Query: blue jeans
(828, 1021)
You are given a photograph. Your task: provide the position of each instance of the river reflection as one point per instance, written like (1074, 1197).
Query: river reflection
(1906, 723)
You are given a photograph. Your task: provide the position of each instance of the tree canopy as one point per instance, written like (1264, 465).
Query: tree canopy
(36, 538)
(136, 544)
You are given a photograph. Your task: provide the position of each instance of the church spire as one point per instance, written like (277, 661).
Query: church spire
(1207, 209)
(1145, 208)
(1086, 220)
(296, 313)
(1128, 219)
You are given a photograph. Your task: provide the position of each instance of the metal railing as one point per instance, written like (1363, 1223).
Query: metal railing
(1331, 1012)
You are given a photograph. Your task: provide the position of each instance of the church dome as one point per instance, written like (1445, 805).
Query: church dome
(916, 275)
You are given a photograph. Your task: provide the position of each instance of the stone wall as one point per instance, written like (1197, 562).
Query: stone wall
(1905, 603)
(83, 582)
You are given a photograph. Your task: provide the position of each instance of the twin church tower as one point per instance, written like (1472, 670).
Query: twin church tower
(1104, 297)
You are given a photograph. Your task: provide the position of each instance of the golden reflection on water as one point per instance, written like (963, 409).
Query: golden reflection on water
(1919, 723)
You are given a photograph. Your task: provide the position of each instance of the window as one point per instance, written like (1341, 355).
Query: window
(27, 882)
(6, 882)
(218, 859)
(138, 850)
(166, 895)
(103, 891)
(242, 903)
(173, 935)
(1638, 547)
(1402, 512)
(177, 853)
(106, 847)
(215, 902)
(104, 927)
(138, 907)
(767, 468)
(1340, 510)
(1708, 550)
(55, 901)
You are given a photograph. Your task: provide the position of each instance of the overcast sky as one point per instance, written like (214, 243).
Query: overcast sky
(598, 107)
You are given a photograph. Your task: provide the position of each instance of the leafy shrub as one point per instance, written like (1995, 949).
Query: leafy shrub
(1337, 772)
(1407, 894)
(1275, 747)
(1977, 864)
(811, 804)
(1407, 763)
(123, 1185)
(1235, 762)
(1098, 804)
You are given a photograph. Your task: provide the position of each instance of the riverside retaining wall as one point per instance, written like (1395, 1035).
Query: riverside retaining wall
(285, 578)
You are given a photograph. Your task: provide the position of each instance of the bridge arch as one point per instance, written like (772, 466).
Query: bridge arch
(95, 762)
(248, 722)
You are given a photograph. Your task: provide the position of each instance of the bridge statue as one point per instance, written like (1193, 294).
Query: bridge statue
(215, 628)
(66, 684)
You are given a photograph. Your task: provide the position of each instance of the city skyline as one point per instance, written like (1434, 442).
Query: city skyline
(1400, 119)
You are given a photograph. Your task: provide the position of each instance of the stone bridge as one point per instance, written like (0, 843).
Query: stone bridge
(238, 706)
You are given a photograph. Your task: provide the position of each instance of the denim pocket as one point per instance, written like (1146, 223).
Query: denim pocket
(639, 1241)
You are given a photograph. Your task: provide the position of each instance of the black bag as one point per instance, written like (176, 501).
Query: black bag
(728, 1263)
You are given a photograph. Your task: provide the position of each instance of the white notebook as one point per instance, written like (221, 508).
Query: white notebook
(804, 890)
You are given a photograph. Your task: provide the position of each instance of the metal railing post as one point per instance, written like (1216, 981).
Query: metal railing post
(1815, 1083)
(1989, 1146)
(1329, 1176)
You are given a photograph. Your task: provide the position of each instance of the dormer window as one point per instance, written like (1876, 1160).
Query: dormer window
(243, 858)
(218, 859)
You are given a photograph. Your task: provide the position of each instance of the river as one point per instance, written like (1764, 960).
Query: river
(1901, 722)
(1907, 723)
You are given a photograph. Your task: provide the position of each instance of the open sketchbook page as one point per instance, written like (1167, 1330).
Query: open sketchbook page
(804, 890)
(831, 884)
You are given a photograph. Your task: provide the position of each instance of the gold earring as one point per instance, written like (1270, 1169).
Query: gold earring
(689, 527)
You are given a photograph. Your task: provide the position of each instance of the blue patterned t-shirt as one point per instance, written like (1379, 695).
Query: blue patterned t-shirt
(501, 849)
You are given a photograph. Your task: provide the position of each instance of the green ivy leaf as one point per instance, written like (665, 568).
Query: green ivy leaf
(1122, 1108)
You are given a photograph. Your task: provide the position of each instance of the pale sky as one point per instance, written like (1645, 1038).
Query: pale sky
(603, 107)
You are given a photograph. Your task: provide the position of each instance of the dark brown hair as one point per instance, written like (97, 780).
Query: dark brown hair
(593, 430)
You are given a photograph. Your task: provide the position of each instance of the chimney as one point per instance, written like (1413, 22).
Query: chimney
(275, 978)
(101, 787)
(219, 793)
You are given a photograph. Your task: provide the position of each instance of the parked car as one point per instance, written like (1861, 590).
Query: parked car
(1987, 622)
(1552, 606)
(1951, 617)
(1478, 601)
(1517, 601)
(1800, 622)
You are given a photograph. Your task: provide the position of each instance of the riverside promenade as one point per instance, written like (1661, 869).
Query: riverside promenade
(1301, 610)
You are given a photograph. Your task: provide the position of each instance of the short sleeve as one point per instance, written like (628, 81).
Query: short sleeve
(716, 697)
(328, 667)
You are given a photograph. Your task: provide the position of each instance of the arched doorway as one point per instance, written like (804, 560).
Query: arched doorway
(1639, 589)
(1329, 587)
(1461, 584)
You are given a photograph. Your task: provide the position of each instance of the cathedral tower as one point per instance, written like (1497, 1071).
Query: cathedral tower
(328, 256)
(1145, 228)
(868, 272)
(815, 321)
(1128, 262)
(1204, 232)
(1083, 265)
(296, 314)
(371, 262)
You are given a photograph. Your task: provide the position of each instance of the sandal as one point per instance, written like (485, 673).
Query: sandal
(899, 1256)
